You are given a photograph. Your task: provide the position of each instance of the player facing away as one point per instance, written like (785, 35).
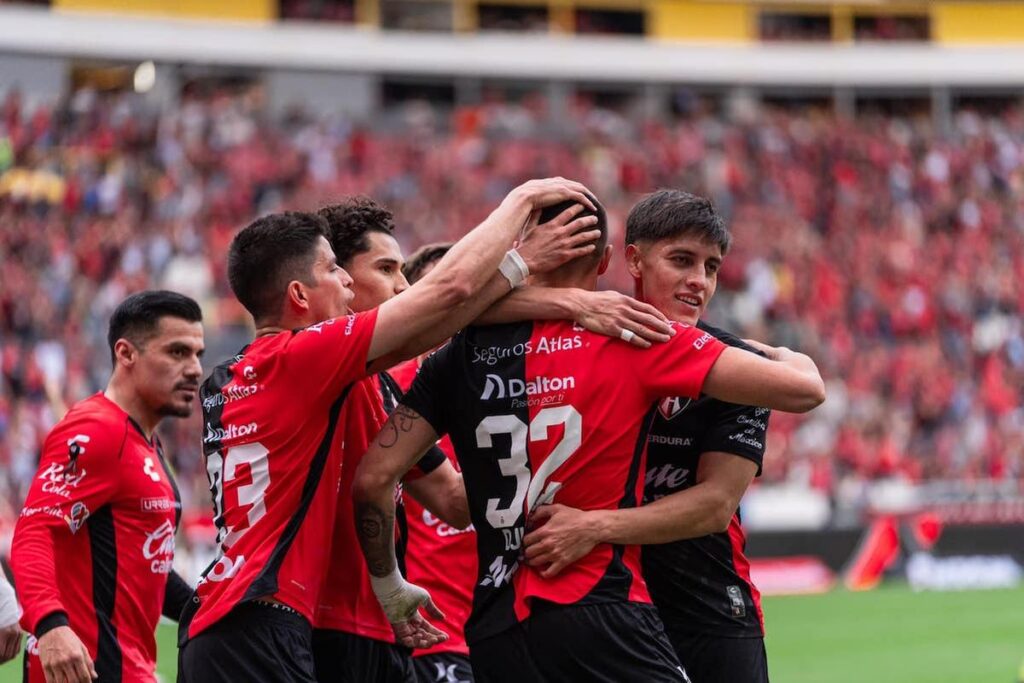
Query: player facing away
(271, 434)
(549, 412)
(702, 456)
(94, 547)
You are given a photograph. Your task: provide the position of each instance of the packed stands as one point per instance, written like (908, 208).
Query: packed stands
(890, 252)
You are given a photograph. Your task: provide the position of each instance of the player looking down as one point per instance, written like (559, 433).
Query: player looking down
(540, 412)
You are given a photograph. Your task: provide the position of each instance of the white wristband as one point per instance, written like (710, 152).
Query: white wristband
(10, 613)
(385, 587)
(514, 268)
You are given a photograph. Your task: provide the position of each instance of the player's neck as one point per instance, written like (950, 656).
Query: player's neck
(120, 392)
(568, 280)
(285, 323)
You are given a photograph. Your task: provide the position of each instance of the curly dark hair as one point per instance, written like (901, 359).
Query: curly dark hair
(423, 257)
(349, 222)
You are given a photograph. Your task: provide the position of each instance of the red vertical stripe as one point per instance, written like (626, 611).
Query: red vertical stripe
(738, 541)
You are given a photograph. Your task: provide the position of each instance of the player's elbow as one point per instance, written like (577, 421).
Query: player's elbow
(722, 512)
(810, 395)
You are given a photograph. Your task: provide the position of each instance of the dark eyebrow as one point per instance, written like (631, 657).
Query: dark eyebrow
(387, 259)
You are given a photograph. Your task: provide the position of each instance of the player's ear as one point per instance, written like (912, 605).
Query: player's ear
(633, 261)
(606, 259)
(125, 353)
(298, 295)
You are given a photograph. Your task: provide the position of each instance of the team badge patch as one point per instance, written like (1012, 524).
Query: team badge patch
(79, 513)
(670, 407)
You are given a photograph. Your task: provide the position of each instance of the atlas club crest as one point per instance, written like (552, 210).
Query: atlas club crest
(670, 407)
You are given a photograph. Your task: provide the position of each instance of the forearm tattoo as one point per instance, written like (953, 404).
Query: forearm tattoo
(402, 421)
(376, 528)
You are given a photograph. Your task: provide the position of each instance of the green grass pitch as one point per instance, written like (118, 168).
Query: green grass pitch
(891, 635)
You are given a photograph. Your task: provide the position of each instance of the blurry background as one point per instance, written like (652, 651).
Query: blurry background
(869, 157)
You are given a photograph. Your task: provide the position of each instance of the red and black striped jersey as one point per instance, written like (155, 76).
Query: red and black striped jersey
(702, 585)
(95, 540)
(273, 454)
(549, 412)
(347, 602)
(438, 557)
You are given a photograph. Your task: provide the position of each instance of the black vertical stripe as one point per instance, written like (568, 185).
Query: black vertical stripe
(170, 480)
(266, 582)
(618, 578)
(103, 546)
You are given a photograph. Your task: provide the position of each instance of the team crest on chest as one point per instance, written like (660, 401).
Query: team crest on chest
(670, 407)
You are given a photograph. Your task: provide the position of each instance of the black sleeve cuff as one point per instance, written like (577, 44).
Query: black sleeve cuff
(176, 596)
(431, 460)
(50, 622)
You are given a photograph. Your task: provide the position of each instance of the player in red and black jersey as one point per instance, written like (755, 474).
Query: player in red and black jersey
(702, 456)
(542, 412)
(271, 414)
(94, 547)
(352, 638)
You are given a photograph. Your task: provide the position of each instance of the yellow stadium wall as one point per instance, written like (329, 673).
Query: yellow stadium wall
(978, 22)
(246, 10)
(712, 21)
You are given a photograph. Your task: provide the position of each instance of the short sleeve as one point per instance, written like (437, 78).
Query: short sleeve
(331, 354)
(426, 395)
(739, 430)
(679, 366)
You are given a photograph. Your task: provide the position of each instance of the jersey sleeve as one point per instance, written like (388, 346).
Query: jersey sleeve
(326, 357)
(426, 395)
(739, 430)
(79, 473)
(679, 366)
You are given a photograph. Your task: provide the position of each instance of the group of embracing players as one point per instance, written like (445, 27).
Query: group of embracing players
(494, 473)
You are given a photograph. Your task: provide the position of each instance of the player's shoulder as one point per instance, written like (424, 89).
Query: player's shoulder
(725, 337)
(96, 420)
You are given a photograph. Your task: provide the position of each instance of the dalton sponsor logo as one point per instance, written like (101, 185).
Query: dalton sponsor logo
(497, 387)
(229, 432)
(159, 548)
(490, 355)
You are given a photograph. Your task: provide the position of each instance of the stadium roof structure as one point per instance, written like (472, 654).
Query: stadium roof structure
(303, 46)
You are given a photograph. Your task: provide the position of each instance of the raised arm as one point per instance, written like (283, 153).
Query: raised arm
(458, 282)
(400, 443)
(785, 380)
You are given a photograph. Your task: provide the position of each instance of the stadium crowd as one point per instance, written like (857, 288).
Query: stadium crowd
(889, 252)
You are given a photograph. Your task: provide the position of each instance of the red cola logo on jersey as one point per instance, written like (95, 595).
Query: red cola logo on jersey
(57, 480)
(159, 548)
(441, 528)
(490, 355)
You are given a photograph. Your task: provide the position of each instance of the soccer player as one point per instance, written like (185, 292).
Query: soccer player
(271, 413)
(559, 415)
(702, 456)
(352, 638)
(93, 549)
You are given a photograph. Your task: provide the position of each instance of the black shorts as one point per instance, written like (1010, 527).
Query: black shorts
(347, 658)
(714, 659)
(444, 667)
(254, 642)
(620, 642)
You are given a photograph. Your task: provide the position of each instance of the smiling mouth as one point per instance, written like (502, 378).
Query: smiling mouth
(690, 300)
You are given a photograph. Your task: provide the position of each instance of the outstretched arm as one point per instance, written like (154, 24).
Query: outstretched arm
(785, 380)
(400, 443)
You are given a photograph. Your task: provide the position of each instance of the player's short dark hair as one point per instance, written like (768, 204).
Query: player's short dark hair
(549, 213)
(423, 257)
(667, 214)
(137, 317)
(269, 253)
(350, 221)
